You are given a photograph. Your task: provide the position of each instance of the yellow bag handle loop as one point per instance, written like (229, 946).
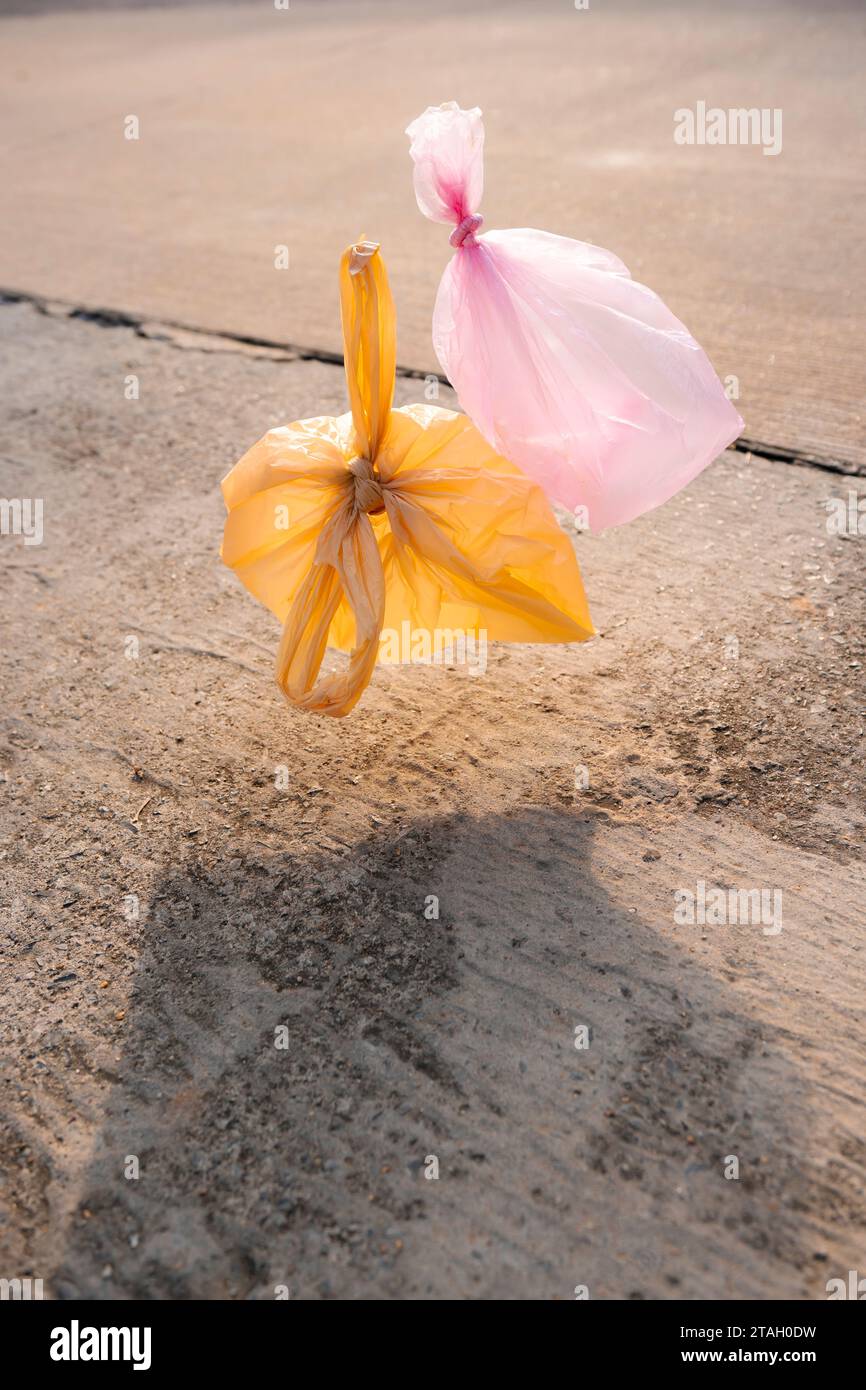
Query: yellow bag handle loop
(347, 562)
(369, 343)
(348, 565)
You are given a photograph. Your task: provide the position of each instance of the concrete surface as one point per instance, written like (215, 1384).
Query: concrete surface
(261, 128)
(720, 720)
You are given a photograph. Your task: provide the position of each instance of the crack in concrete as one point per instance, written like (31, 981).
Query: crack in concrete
(169, 331)
(780, 453)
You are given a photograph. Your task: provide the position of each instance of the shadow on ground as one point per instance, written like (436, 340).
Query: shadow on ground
(408, 1038)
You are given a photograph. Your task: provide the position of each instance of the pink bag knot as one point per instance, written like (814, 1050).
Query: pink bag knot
(465, 230)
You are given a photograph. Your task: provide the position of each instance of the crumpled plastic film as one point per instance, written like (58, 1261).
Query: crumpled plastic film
(347, 526)
(568, 367)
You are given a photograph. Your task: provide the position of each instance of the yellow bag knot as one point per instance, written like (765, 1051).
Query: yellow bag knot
(368, 489)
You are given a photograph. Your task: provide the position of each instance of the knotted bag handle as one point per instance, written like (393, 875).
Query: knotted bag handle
(348, 563)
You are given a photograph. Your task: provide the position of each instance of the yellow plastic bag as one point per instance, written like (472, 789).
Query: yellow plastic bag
(352, 526)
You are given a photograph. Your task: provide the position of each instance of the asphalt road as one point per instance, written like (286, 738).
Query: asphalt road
(261, 128)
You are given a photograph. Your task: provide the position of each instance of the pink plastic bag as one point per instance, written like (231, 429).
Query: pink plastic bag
(567, 366)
